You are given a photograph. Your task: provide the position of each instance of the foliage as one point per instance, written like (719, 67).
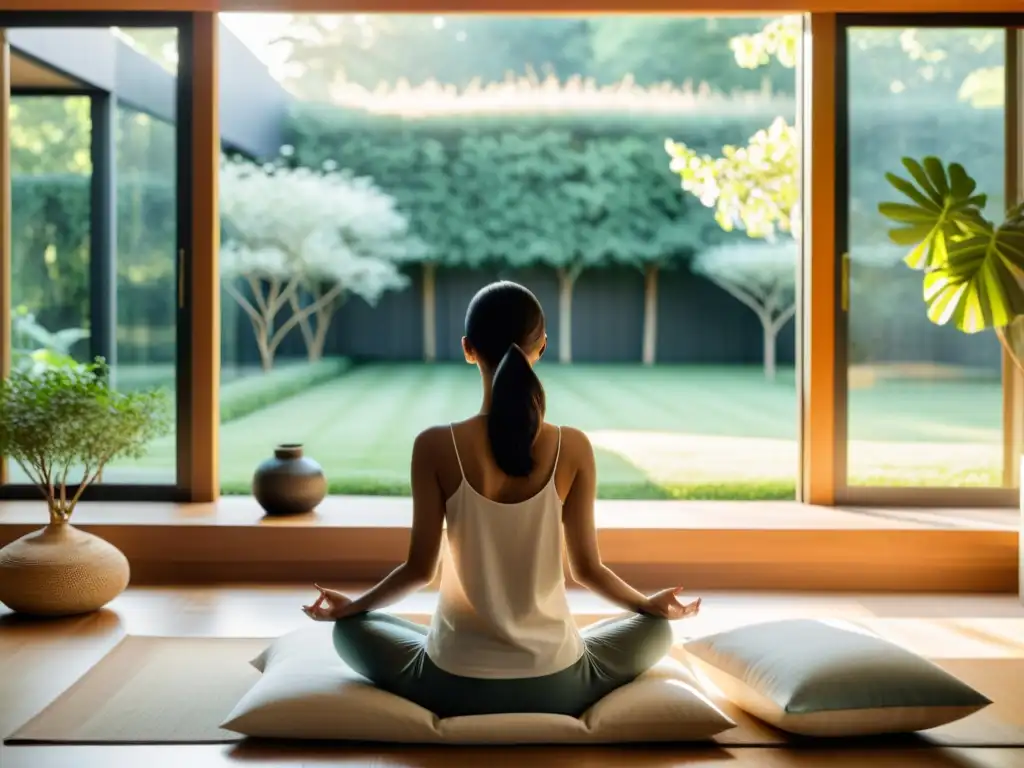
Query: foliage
(293, 233)
(50, 135)
(323, 52)
(678, 49)
(778, 40)
(36, 348)
(63, 420)
(576, 189)
(248, 394)
(761, 276)
(973, 267)
(756, 187)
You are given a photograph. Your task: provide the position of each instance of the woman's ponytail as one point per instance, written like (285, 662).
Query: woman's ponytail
(516, 414)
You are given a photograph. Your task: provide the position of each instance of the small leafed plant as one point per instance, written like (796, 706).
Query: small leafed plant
(64, 424)
(973, 267)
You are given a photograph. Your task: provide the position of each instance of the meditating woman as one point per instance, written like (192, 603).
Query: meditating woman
(512, 491)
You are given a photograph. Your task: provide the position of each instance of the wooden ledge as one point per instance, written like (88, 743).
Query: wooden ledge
(396, 512)
(706, 545)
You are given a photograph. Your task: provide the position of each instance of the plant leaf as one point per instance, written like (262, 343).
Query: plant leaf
(981, 285)
(942, 207)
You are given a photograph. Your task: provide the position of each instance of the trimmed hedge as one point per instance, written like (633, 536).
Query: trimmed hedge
(249, 394)
(519, 190)
(523, 189)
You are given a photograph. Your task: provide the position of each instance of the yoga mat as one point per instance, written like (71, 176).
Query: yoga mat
(151, 690)
(166, 690)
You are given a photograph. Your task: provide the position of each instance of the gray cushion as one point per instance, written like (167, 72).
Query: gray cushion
(825, 679)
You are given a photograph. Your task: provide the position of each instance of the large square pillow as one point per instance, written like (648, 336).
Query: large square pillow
(307, 692)
(817, 678)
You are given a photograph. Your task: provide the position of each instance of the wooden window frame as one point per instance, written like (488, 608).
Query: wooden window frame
(820, 478)
(1008, 495)
(198, 240)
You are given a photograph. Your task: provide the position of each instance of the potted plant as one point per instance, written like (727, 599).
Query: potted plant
(973, 267)
(62, 425)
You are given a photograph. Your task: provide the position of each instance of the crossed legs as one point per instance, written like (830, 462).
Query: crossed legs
(391, 653)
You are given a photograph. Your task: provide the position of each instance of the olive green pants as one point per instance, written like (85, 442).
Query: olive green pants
(391, 653)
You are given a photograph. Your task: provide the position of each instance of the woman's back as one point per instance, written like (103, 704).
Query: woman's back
(502, 638)
(503, 610)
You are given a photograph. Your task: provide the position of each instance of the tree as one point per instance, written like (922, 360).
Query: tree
(302, 239)
(50, 135)
(675, 50)
(322, 52)
(531, 173)
(756, 188)
(763, 277)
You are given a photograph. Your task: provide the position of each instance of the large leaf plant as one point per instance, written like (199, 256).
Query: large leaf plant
(973, 267)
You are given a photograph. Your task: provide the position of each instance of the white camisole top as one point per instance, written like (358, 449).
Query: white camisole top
(503, 610)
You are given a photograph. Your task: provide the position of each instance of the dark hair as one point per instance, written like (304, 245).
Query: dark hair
(502, 321)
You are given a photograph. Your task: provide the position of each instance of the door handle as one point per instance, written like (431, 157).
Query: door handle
(181, 278)
(844, 286)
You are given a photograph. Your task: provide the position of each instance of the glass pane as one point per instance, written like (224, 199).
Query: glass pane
(51, 171)
(524, 148)
(147, 246)
(146, 276)
(924, 401)
(95, 249)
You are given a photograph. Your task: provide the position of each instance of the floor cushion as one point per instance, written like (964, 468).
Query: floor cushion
(819, 678)
(307, 692)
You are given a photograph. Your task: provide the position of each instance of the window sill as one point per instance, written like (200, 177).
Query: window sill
(396, 512)
(709, 545)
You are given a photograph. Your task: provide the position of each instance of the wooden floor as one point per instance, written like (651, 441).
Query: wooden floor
(39, 660)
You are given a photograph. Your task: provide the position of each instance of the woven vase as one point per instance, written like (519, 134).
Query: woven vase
(61, 571)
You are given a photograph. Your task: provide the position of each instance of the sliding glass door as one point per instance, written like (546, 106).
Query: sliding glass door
(99, 135)
(927, 413)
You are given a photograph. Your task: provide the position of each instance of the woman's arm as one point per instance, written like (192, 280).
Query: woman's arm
(581, 533)
(424, 546)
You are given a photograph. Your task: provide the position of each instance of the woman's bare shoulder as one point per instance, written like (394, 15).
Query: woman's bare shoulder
(433, 444)
(432, 437)
(575, 444)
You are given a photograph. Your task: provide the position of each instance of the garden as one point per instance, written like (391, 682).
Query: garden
(656, 221)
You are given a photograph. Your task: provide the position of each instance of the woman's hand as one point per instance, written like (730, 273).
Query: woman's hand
(331, 605)
(666, 605)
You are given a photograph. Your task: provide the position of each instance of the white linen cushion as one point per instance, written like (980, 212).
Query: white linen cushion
(307, 692)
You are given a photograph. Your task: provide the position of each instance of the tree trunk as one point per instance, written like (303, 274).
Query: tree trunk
(266, 354)
(305, 328)
(650, 314)
(314, 336)
(566, 280)
(429, 311)
(770, 334)
(317, 344)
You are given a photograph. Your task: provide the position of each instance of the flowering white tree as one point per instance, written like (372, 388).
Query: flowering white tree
(303, 239)
(761, 275)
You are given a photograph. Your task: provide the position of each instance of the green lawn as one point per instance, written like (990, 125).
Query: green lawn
(662, 432)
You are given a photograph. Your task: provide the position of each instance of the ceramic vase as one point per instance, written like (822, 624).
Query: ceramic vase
(61, 571)
(289, 483)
